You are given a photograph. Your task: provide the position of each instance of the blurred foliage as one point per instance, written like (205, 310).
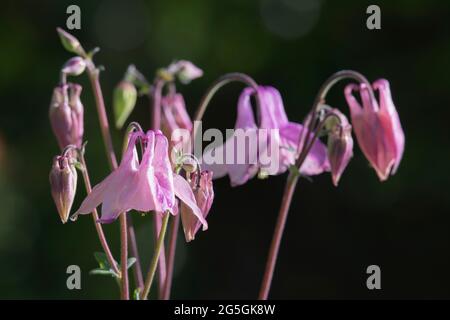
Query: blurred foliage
(332, 235)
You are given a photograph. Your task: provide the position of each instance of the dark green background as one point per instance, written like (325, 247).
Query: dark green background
(332, 235)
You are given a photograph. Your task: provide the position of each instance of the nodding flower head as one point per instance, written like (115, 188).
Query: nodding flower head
(275, 144)
(377, 127)
(185, 70)
(340, 144)
(63, 184)
(66, 115)
(202, 186)
(143, 185)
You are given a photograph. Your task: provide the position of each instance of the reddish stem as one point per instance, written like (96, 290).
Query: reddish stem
(171, 256)
(104, 126)
(292, 180)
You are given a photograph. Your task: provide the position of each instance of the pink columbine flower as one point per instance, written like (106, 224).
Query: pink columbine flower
(340, 144)
(144, 185)
(202, 187)
(66, 115)
(63, 184)
(377, 127)
(285, 139)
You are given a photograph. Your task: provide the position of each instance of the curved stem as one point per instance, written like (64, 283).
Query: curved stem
(125, 295)
(93, 73)
(156, 254)
(292, 180)
(171, 256)
(103, 118)
(320, 99)
(219, 83)
(98, 226)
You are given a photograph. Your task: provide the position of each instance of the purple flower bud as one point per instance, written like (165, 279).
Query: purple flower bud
(340, 145)
(66, 115)
(204, 195)
(70, 43)
(63, 185)
(185, 70)
(74, 66)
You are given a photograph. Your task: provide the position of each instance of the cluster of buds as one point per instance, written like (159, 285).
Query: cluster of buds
(66, 115)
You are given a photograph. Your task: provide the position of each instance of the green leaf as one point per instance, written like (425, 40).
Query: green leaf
(102, 260)
(103, 272)
(130, 262)
(137, 294)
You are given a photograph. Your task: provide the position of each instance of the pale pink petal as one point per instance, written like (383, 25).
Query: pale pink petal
(163, 173)
(316, 161)
(184, 192)
(387, 105)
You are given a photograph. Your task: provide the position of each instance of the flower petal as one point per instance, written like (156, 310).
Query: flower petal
(184, 192)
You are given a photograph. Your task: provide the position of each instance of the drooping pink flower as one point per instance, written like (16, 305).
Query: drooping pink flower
(148, 185)
(66, 115)
(340, 145)
(204, 195)
(377, 127)
(274, 133)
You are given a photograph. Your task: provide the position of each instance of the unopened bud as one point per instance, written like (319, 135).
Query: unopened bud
(340, 145)
(74, 66)
(63, 185)
(70, 43)
(124, 100)
(185, 70)
(66, 115)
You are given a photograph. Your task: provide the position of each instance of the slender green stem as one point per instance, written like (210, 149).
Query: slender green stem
(305, 147)
(156, 254)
